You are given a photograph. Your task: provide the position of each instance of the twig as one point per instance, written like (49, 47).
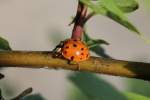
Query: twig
(23, 94)
(42, 59)
(79, 21)
(90, 15)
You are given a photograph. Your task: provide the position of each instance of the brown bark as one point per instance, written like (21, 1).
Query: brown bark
(42, 59)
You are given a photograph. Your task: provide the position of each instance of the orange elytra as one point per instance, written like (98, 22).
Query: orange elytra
(75, 50)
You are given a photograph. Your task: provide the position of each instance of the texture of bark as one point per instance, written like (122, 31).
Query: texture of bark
(44, 59)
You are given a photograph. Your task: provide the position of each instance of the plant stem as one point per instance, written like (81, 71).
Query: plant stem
(90, 15)
(42, 59)
(79, 21)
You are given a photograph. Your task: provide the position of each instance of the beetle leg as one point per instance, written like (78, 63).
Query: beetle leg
(74, 63)
(57, 50)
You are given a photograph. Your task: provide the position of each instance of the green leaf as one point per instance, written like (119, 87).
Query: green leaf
(110, 9)
(87, 86)
(117, 15)
(134, 96)
(75, 94)
(93, 42)
(94, 88)
(127, 5)
(95, 45)
(143, 87)
(34, 97)
(4, 45)
(98, 9)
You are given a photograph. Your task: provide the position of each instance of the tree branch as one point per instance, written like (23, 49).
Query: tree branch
(42, 59)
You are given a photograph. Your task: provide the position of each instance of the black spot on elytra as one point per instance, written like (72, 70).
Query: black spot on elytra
(82, 49)
(74, 45)
(82, 53)
(87, 55)
(65, 52)
(67, 47)
(72, 57)
(80, 58)
(75, 40)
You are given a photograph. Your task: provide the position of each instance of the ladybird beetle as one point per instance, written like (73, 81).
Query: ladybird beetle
(73, 50)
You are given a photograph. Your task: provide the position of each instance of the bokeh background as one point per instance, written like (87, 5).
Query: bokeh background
(40, 25)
